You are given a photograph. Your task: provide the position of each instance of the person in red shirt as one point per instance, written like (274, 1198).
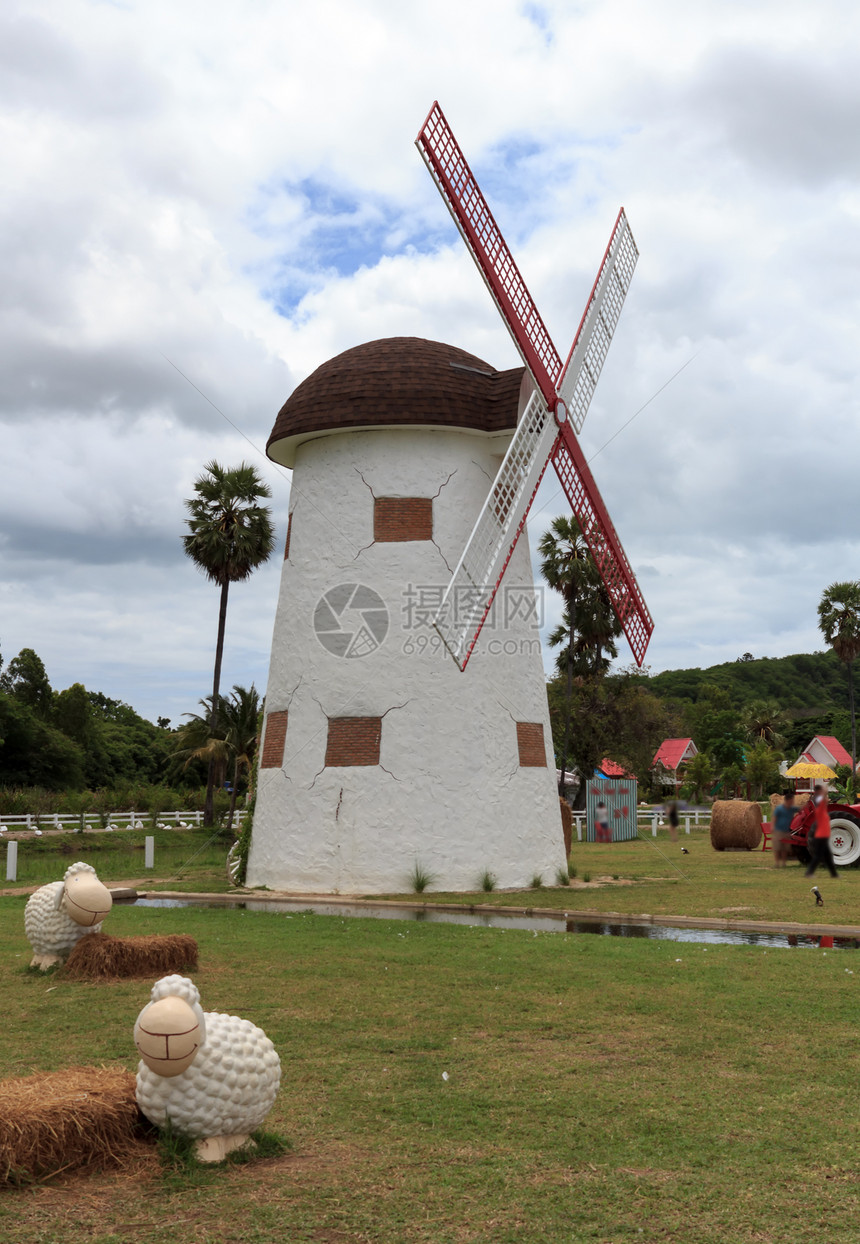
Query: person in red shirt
(819, 843)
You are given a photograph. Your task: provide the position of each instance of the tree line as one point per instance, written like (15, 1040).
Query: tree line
(745, 717)
(78, 740)
(73, 739)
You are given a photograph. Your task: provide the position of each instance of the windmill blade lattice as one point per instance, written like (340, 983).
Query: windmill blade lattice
(473, 586)
(454, 179)
(597, 326)
(563, 396)
(585, 500)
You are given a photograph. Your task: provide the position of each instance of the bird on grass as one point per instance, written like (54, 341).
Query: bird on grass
(684, 851)
(819, 901)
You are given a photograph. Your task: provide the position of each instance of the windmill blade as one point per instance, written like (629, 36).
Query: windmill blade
(597, 326)
(472, 216)
(616, 572)
(472, 590)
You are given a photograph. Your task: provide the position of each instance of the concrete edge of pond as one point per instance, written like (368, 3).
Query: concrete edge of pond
(549, 913)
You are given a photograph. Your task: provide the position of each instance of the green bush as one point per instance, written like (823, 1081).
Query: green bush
(138, 797)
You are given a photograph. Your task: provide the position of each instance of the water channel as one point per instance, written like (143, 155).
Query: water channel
(483, 917)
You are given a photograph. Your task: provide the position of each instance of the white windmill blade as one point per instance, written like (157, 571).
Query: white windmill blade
(472, 589)
(596, 328)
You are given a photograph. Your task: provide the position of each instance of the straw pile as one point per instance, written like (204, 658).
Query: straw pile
(100, 957)
(735, 824)
(566, 824)
(800, 799)
(55, 1121)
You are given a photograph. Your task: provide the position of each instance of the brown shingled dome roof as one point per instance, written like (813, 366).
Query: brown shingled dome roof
(397, 382)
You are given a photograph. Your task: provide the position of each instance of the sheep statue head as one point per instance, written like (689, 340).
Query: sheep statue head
(59, 914)
(83, 898)
(213, 1077)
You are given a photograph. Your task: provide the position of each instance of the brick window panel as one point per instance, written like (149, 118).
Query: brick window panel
(273, 740)
(531, 745)
(402, 518)
(353, 741)
(289, 531)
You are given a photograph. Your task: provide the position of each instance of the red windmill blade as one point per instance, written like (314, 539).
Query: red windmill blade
(544, 432)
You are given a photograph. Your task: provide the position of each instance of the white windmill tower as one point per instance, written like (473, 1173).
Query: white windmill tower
(379, 758)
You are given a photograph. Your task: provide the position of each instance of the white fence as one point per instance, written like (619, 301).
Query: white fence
(646, 821)
(650, 822)
(75, 823)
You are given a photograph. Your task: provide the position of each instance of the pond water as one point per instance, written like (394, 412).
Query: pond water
(482, 917)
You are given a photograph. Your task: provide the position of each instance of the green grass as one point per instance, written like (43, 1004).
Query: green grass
(182, 1169)
(599, 1090)
(421, 878)
(654, 877)
(184, 858)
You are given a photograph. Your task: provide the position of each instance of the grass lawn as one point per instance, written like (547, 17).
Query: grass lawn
(645, 875)
(598, 1089)
(184, 858)
(654, 876)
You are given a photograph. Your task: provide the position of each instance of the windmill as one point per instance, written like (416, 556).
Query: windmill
(547, 430)
(379, 760)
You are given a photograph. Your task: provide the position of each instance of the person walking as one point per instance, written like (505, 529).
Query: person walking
(819, 843)
(783, 815)
(673, 818)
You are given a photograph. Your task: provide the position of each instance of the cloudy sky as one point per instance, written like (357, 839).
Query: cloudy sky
(223, 196)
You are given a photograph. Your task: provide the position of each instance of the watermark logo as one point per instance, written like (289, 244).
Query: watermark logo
(513, 604)
(351, 620)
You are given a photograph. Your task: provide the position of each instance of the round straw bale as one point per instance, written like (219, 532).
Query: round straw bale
(100, 957)
(800, 799)
(735, 823)
(61, 1120)
(566, 824)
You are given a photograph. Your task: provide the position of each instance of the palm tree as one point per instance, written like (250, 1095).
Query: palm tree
(240, 720)
(229, 535)
(588, 626)
(765, 720)
(195, 740)
(234, 740)
(839, 623)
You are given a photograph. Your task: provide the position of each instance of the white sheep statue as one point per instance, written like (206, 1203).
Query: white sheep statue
(59, 914)
(213, 1077)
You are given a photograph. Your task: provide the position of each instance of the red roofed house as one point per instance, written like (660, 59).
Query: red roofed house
(608, 768)
(670, 756)
(823, 750)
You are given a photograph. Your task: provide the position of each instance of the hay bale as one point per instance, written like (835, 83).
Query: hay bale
(56, 1121)
(100, 957)
(800, 799)
(735, 824)
(566, 825)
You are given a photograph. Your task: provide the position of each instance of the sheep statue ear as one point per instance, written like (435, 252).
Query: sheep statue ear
(61, 894)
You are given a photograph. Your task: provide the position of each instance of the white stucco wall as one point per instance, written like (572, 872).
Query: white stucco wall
(449, 793)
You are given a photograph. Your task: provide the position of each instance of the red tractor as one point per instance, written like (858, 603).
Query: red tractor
(844, 832)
